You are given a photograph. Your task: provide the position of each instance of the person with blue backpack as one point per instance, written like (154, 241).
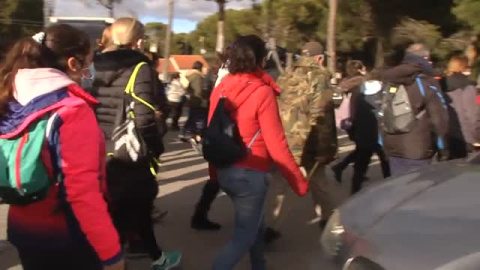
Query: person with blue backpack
(52, 156)
(414, 115)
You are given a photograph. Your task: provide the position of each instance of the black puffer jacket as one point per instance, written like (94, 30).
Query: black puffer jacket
(113, 72)
(421, 142)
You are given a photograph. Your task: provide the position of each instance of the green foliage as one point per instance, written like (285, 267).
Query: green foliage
(238, 22)
(412, 31)
(17, 21)
(468, 11)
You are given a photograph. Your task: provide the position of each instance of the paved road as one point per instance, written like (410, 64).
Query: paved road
(181, 179)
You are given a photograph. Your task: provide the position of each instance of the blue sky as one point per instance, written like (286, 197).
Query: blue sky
(187, 12)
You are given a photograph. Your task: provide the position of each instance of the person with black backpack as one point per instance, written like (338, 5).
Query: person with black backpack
(244, 138)
(414, 114)
(125, 86)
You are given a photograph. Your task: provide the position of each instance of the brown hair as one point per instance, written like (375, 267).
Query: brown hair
(60, 43)
(457, 64)
(246, 54)
(353, 68)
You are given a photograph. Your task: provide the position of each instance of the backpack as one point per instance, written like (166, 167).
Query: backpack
(221, 142)
(397, 113)
(23, 174)
(128, 143)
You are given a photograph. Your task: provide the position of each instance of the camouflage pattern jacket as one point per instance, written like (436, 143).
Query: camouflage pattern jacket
(307, 112)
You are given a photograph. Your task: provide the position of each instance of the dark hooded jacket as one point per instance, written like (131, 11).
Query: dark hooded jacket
(461, 96)
(113, 70)
(430, 131)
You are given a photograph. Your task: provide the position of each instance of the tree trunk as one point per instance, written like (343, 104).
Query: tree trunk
(379, 52)
(272, 43)
(331, 42)
(221, 26)
(166, 55)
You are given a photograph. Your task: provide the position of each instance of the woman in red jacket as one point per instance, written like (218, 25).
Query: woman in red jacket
(251, 96)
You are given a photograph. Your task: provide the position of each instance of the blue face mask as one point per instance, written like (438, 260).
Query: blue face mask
(88, 77)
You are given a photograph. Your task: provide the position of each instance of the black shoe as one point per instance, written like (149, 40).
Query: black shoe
(203, 224)
(337, 171)
(271, 235)
(322, 224)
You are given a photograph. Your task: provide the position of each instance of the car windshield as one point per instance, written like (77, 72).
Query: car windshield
(94, 29)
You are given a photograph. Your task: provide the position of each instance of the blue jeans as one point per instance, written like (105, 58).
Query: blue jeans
(399, 166)
(247, 189)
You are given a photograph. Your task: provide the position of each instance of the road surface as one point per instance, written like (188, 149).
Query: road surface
(181, 179)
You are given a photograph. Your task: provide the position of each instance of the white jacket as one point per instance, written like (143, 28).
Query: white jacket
(175, 91)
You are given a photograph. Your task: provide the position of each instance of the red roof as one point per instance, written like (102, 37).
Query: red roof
(184, 62)
(187, 61)
(171, 67)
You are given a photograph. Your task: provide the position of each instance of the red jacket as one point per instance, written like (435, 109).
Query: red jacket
(252, 101)
(74, 215)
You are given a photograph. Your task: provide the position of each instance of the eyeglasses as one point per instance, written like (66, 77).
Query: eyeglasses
(89, 73)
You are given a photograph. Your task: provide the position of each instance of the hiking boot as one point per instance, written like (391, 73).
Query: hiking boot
(169, 260)
(203, 224)
(337, 171)
(271, 235)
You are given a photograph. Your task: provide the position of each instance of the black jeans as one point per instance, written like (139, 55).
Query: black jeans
(134, 223)
(60, 259)
(175, 112)
(362, 157)
(196, 122)
(209, 193)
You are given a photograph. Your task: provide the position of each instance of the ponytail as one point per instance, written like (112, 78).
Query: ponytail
(50, 49)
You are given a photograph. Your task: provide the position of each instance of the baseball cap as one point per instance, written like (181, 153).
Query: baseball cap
(312, 48)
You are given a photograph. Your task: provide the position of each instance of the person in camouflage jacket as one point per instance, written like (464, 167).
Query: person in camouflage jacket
(308, 117)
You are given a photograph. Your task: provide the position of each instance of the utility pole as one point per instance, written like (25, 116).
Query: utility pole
(331, 42)
(168, 35)
(47, 11)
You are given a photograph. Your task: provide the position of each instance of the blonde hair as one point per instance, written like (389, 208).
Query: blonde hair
(106, 41)
(457, 64)
(126, 32)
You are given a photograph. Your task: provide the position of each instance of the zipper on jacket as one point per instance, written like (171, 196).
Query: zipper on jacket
(18, 163)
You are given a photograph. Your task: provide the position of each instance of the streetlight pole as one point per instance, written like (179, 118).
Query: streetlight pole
(168, 35)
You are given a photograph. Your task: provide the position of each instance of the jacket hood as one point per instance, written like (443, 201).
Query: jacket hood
(32, 83)
(112, 64)
(238, 87)
(402, 74)
(349, 84)
(424, 64)
(456, 81)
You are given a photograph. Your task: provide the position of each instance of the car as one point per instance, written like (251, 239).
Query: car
(424, 220)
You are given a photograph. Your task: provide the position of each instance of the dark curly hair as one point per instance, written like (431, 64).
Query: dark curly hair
(246, 54)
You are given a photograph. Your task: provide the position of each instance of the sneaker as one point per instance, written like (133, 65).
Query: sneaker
(196, 146)
(271, 235)
(169, 260)
(203, 224)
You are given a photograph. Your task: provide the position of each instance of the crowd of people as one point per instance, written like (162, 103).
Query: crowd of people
(104, 113)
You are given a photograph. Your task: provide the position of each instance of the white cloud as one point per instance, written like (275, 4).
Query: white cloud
(192, 10)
